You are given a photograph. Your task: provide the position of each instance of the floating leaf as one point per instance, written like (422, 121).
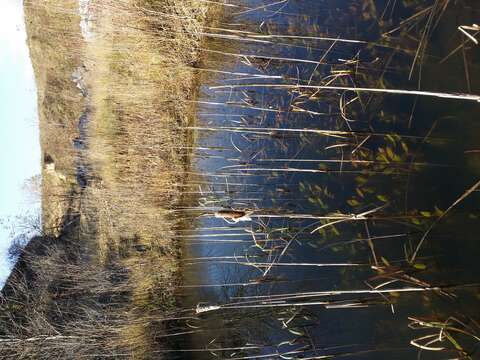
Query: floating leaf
(420, 266)
(321, 203)
(391, 138)
(390, 153)
(382, 198)
(383, 157)
(359, 192)
(361, 179)
(426, 214)
(353, 202)
(335, 231)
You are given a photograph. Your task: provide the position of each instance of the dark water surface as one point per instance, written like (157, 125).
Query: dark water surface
(335, 190)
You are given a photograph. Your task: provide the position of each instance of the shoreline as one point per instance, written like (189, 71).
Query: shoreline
(112, 237)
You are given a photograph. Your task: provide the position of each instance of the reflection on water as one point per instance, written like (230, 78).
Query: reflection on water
(332, 222)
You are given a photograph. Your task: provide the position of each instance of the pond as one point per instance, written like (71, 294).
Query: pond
(326, 217)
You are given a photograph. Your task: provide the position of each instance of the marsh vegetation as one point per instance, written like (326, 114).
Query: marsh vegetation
(260, 180)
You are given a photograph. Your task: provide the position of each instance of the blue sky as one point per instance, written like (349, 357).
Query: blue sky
(19, 132)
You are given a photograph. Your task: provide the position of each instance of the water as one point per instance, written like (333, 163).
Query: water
(83, 171)
(285, 209)
(83, 167)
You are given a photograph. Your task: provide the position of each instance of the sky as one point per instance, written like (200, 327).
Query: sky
(19, 131)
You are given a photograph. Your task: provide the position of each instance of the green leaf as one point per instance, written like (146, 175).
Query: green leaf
(390, 153)
(438, 212)
(353, 202)
(382, 198)
(359, 192)
(361, 179)
(420, 266)
(335, 231)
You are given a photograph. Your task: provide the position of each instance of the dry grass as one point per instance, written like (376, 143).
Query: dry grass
(140, 74)
(140, 77)
(55, 48)
(101, 287)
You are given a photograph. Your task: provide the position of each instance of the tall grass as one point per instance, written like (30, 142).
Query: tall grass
(99, 284)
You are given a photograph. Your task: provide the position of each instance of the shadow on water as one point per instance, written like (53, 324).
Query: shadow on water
(330, 223)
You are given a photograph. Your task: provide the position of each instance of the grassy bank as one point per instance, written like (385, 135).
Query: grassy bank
(55, 48)
(100, 285)
(141, 78)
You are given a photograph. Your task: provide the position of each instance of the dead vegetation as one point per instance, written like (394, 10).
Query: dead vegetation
(139, 87)
(100, 284)
(55, 48)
